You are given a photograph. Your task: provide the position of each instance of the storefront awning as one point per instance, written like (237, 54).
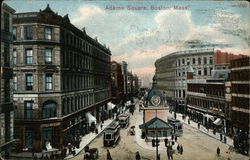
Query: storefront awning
(111, 106)
(90, 118)
(209, 117)
(218, 122)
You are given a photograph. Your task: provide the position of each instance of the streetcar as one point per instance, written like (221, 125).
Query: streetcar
(111, 134)
(124, 119)
(177, 125)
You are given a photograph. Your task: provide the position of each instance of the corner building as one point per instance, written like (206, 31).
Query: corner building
(6, 72)
(60, 75)
(171, 71)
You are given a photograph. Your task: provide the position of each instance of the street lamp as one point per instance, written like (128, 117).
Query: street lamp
(155, 142)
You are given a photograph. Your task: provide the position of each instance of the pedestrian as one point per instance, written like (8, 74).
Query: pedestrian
(181, 149)
(137, 156)
(175, 138)
(172, 137)
(218, 151)
(101, 126)
(178, 148)
(199, 125)
(221, 137)
(166, 142)
(188, 121)
(159, 157)
(108, 155)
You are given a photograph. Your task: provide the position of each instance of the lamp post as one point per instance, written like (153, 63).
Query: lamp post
(157, 141)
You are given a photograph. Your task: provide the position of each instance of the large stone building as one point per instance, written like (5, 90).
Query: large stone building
(240, 81)
(6, 103)
(171, 73)
(61, 80)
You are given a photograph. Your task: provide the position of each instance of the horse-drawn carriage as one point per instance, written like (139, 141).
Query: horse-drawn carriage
(91, 153)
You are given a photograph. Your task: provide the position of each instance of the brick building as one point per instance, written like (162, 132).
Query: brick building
(116, 82)
(240, 80)
(61, 80)
(6, 72)
(222, 59)
(208, 102)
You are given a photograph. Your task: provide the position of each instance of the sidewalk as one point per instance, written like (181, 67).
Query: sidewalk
(88, 138)
(202, 128)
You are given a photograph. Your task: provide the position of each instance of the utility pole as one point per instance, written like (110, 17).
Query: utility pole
(157, 141)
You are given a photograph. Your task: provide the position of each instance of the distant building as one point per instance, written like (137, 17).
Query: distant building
(6, 103)
(222, 59)
(61, 81)
(135, 85)
(240, 80)
(171, 71)
(116, 82)
(125, 74)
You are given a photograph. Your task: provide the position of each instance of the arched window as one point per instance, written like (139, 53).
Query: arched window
(49, 110)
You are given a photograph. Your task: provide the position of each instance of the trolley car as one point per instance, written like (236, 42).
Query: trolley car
(177, 125)
(111, 134)
(124, 119)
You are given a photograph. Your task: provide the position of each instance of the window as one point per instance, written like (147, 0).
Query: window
(28, 32)
(48, 82)
(29, 110)
(113, 67)
(49, 110)
(179, 62)
(199, 61)
(14, 57)
(188, 62)
(47, 33)
(14, 83)
(183, 61)
(205, 71)
(48, 55)
(29, 82)
(194, 61)
(46, 136)
(14, 33)
(29, 137)
(28, 56)
(205, 60)
(199, 72)
(152, 133)
(211, 60)
(6, 21)
(113, 75)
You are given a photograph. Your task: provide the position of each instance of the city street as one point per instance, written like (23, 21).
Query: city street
(196, 146)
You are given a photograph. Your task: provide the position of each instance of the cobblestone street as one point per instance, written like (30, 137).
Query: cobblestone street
(196, 146)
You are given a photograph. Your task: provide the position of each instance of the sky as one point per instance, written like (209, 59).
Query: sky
(140, 32)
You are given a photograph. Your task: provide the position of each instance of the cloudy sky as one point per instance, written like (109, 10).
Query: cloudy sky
(138, 33)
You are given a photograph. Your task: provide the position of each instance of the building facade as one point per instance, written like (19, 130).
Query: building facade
(117, 82)
(240, 81)
(61, 76)
(171, 71)
(208, 102)
(6, 103)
